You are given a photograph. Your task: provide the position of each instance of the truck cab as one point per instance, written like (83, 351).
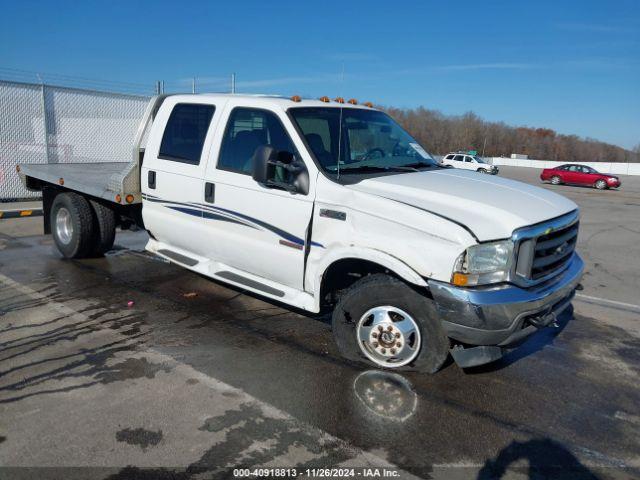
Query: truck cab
(330, 206)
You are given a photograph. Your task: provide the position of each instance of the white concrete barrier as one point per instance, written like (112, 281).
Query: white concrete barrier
(602, 167)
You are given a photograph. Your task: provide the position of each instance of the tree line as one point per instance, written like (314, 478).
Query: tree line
(441, 134)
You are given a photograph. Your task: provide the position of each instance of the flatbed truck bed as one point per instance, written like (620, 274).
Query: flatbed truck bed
(108, 181)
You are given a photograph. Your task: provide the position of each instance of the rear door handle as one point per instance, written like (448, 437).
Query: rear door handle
(209, 192)
(151, 179)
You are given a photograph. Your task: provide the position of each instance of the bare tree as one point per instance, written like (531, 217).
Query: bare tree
(441, 134)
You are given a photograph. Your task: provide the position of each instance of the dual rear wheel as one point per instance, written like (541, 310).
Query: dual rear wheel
(80, 227)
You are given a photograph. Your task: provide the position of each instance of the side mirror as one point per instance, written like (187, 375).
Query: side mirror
(262, 163)
(279, 169)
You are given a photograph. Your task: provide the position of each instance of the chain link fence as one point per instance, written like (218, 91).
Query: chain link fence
(51, 124)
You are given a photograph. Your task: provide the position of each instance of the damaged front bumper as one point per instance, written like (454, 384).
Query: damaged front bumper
(500, 317)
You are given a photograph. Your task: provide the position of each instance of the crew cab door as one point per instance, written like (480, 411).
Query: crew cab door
(255, 229)
(172, 174)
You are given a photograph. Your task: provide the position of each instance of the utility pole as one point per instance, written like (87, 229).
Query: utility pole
(233, 83)
(193, 85)
(484, 146)
(158, 87)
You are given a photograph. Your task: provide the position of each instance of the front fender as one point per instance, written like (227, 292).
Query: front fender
(316, 269)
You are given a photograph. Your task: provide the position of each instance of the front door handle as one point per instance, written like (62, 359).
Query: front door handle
(209, 192)
(151, 179)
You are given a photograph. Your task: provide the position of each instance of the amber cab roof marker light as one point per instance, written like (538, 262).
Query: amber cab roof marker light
(353, 101)
(338, 100)
(368, 104)
(296, 98)
(325, 99)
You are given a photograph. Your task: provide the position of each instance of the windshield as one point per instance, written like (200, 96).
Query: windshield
(371, 140)
(479, 160)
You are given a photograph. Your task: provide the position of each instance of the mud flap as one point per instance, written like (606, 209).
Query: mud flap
(474, 356)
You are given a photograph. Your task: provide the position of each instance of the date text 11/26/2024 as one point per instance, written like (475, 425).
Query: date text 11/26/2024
(316, 472)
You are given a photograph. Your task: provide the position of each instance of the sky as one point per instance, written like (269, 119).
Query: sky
(573, 66)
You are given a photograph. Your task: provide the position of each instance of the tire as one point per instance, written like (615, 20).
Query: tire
(600, 184)
(556, 180)
(105, 228)
(483, 170)
(426, 349)
(72, 225)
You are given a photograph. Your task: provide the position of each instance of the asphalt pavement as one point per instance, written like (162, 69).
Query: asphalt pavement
(129, 367)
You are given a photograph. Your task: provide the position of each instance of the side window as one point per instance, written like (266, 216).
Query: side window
(467, 159)
(459, 158)
(248, 129)
(185, 132)
(449, 157)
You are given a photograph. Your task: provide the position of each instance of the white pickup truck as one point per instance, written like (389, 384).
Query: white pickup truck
(330, 206)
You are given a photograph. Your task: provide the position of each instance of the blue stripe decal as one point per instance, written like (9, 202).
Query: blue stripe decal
(225, 215)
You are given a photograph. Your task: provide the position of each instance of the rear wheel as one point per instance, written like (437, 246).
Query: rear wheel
(382, 321)
(105, 228)
(555, 180)
(72, 225)
(600, 184)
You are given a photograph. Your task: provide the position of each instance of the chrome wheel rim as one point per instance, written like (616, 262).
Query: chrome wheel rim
(64, 226)
(388, 336)
(555, 180)
(600, 184)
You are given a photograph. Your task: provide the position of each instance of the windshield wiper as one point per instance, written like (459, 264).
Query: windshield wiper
(378, 168)
(417, 165)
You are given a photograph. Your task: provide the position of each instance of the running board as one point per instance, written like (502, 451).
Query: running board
(234, 277)
(178, 257)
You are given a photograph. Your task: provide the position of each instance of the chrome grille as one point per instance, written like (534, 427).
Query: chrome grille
(553, 250)
(543, 250)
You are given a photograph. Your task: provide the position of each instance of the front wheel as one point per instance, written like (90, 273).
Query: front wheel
(555, 180)
(382, 321)
(483, 170)
(601, 184)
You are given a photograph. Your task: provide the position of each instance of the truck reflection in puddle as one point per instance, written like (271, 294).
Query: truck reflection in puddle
(387, 395)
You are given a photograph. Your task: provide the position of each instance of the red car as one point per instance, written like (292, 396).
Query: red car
(579, 175)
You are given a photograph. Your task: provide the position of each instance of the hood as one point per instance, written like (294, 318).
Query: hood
(491, 207)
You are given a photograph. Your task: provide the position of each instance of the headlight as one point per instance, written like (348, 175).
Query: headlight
(484, 263)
